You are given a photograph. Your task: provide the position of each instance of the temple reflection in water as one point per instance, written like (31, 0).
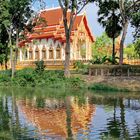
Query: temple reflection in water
(58, 118)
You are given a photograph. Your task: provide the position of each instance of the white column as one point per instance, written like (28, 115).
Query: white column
(54, 52)
(87, 49)
(40, 51)
(47, 53)
(34, 52)
(20, 57)
(40, 54)
(63, 51)
(27, 54)
(90, 50)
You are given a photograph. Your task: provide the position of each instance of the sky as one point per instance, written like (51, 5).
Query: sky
(91, 12)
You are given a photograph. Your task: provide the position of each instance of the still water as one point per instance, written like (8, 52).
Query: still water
(54, 114)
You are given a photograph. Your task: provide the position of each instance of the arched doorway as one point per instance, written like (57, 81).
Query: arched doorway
(81, 49)
(51, 53)
(30, 53)
(37, 53)
(58, 52)
(44, 53)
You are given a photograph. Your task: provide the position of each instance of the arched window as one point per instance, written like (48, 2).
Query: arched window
(30, 53)
(37, 53)
(25, 55)
(58, 52)
(83, 50)
(43, 53)
(51, 55)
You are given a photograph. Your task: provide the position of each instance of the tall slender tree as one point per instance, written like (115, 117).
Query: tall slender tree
(109, 19)
(75, 7)
(127, 9)
(14, 15)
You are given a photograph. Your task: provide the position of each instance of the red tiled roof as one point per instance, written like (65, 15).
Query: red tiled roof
(55, 28)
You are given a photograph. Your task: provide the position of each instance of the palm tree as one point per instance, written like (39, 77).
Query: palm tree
(109, 19)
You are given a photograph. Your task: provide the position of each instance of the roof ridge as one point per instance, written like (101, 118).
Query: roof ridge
(49, 9)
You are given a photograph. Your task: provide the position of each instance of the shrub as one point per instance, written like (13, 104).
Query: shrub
(40, 67)
(74, 82)
(81, 67)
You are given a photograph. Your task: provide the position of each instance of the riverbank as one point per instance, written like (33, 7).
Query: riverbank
(117, 83)
(29, 77)
(55, 79)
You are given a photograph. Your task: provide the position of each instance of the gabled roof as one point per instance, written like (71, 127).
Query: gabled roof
(54, 25)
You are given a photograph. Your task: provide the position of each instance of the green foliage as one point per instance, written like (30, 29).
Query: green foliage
(28, 77)
(135, 22)
(99, 86)
(74, 82)
(99, 60)
(137, 46)
(102, 47)
(40, 67)
(109, 18)
(111, 60)
(132, 50)
(104, 60)
(78, 65)
(81, 67)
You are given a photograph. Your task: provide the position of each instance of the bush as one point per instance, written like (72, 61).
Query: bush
(98, 60)
(81, 67)
(29, 77)
(74, 82)
(40, 67)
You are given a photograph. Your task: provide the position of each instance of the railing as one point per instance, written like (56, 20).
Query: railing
(114, 70)
(132, 61)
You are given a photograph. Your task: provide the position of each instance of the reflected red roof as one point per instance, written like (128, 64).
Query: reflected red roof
(54, 119)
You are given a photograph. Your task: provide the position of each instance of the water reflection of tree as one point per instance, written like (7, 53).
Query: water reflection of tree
(116, 125)
(113, 126)
(10, 127)
(68, 118)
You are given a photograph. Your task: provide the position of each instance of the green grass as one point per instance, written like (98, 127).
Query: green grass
(105, 87)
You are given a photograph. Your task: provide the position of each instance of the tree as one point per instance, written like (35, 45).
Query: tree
(4, 50)
(135, 22)
(14, 15)
(137, 46)
(129, 13)
(109, 19)
(127, 9)
(102, 47)
(75, 7)
(129, 51)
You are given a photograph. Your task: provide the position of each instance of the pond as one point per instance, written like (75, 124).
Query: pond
(55, 114)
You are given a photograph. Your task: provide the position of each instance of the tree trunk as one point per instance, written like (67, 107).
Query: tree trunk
(68, 118)
(113, 51)
(12, 62)
(6, 66)
(11, 55)
(67, 57)
(125, 26)
(15, 56)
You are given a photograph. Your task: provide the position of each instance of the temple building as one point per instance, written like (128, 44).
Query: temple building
(48, 42)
